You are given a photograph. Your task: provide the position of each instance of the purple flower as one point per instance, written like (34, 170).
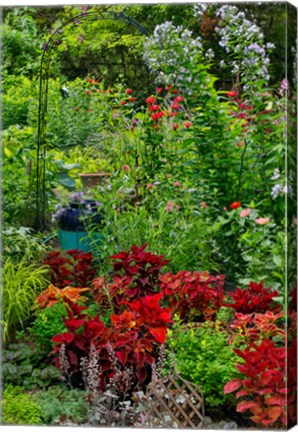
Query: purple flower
(81, 38)
(77, 195)
(45, 46)
(284, 86)
(84, 8)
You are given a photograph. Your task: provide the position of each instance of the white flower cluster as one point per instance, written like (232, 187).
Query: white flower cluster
(199, 9)
(172, 51)
(278, 188)
(244, 42)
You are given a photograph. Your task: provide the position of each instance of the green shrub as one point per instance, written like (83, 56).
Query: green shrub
(23, 365)
(49, 322)
(60, 401)
(18, 243)
(204, 357)
(21, 284)
(17, 100)
(19, 408)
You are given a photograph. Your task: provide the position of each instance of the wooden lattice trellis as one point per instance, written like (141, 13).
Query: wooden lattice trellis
(174, 403)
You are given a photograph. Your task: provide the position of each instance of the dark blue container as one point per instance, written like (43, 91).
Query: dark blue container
(72, 223)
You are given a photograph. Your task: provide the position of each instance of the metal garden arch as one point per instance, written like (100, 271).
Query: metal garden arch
(41, 198)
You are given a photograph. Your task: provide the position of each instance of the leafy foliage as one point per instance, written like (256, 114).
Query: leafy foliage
(204, 357)
(264, 368)
(46, 324)
(134, 337)
(60, 403)
(21, 243)
(23, 365)
(52, 295)
(19, 408)
(136, 274)
(21, 283)
(70, 268)
(255, 298)
(193, 296)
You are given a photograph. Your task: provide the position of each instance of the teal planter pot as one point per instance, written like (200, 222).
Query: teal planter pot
(72, 233)
(78, 240)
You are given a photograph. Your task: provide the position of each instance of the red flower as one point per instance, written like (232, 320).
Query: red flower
(187, 124)
(175, 91)
(124, 102)
(175, 126)
(154, 108)
(90, 80)
(87, 92)
(242, 105)
(150, 100)
(178, 99)
(175, 106)
(158, 89)
(156, 116)
(132, 99)
(232, 93)
(128, 91)
(168, 88)
(235, 205)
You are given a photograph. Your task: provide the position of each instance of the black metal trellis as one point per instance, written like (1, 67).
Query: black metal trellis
(41, 198)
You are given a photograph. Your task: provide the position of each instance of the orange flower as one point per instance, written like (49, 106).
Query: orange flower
(235, 205)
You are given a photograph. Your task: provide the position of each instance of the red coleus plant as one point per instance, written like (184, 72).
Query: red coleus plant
(146, 323)
(196, 296)
(75, 344)
(253, 327)
(134, 337)
(255, 298)
(136, 273)
(70, 268)
(53, 294)
(264, 386)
